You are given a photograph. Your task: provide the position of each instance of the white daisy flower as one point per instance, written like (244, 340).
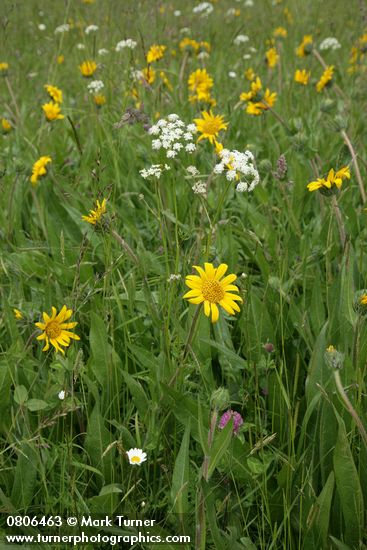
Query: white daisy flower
(136, 456)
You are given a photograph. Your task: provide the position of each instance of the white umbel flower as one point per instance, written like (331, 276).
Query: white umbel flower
(91, 28)
(204, 8)
(240, 39)
(62, 28)
(238, 166)
(95, 86)
(136, 456)
(330, 43)
(128, 43)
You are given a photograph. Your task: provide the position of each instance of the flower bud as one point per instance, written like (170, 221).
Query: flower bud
(334, 358)
(360, 302)
(226, 417)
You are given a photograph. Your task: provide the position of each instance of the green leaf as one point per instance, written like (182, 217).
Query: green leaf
(139, 397)
(222, 440)
(97, 440)
(348, 486)
(323, 506)
(20, 395)
(25, 477)
(36, 405)
(99, 345)
(180, 477)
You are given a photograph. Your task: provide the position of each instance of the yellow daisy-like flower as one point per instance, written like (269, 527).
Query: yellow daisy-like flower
(88, 68)
(332, 181)
(302, 76)
(96, 215)
(280, 32)
(200, 81)
(210, 288)
(155, 53)
(148, 75)
(5, 125)
(55, 330)
(17, 314)
(39, 169)
(210, 125)
(305, 48)
(250, 74)
(363, 299)
(52, 111)
(189, 44)
(4, 68)
(54, 93)
(272, 57)
(325, 79)
(99, 100)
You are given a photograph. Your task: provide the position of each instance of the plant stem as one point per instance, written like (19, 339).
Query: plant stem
(355, 164)
(339, 220)
(348, 405)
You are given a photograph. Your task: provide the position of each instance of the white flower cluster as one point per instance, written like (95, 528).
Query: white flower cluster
(249, 3)
(80, 46)
(204, 8)
(42, 27)
(91, 28)
(192, 170)
(173, 135)
(102, 51)
(199, 188)
(154, 171)
(330, 43)
(238, 166)
(128, 43)
(95, 86)
(173, 277)
(240, 39)
(62, 28)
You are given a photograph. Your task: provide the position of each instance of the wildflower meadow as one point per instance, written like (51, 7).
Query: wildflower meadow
(183, 268)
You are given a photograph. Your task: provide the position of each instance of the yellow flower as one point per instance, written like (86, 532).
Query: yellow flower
(18, 314)
(149, 75)
(165, 80)
(325, 79)
(272, 57)
(305, 48)
(302, 76)
(4, 68)
(60, 59)
(280, 32)
(96, 215)
(332, 181)
(99, 100)
(188, 43)
(6, 126)
(200, 81)
(52, 111)
(88, 68)
(330, 349)
(209, 287)
(250, 74)
(54, 93)
(55, 330)
(210, 125)
(253, 108)
(39, 168)
(269, 99)
(155, 53)
(288, 16)
(363, 299)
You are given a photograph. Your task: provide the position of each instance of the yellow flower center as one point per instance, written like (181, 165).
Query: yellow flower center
(212, 291)
(53, 329)
(135, 459)
(211, 126)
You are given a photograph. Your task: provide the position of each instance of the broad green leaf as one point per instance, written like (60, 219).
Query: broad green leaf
(323, 507)
(180, 477)
(97, 440)
(20, 395)
(25, 477)
(222, 440)
(101, 357)
(348, 486)
(36, 405)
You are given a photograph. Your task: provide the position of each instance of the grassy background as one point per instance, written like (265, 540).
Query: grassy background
(305, 487)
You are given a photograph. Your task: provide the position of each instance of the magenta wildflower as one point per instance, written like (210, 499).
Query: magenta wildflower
(226, 417)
